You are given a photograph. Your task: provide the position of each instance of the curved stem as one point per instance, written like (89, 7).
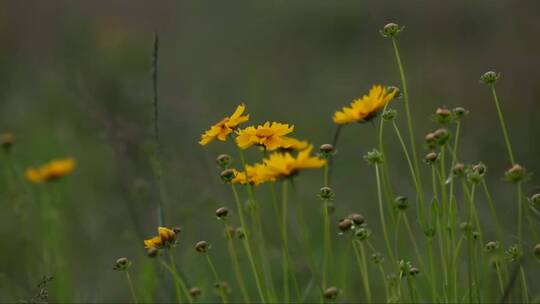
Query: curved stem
(236, 265)
(133, 295)
(381, 214)
(222, 291)
(503, 125)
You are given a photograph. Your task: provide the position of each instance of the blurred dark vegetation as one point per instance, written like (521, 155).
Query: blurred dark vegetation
(75, 81)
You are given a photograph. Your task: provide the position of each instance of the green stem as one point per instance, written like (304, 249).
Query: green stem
(131, 287)
(520, 213)
(178, 282)
(524, 288)
(432, 270)
(499, 277)
(381, 214)
(285, 252)
(362, 268)
(414, 242)
(222, 291)
(236, 265)
(493, 212)
(503, 125)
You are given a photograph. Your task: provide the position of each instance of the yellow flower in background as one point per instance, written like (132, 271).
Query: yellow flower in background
(154, 242)
(294, 144)
(255, 175)
(225, 127)
(50, 171)
(365, 108)
(166, 236)
(269, 135)
(284, 164)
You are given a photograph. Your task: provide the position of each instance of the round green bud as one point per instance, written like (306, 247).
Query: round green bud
(222, 212)
(202, 246)
(227, 175)
(223, 161)
(391, 30)
(490, 77)
(122, 264)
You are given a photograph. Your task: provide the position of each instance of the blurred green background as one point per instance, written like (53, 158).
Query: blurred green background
(75, 80)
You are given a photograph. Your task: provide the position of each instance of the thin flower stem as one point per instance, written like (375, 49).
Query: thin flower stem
(412, 288)
(520, 213)
(493, 212)
(407, 110)
(236, 265)
(381, 213)
(331, 160)
(432, 270)
(362, 267)
(133, 295)
(503, 125)
(381, 270)
(415, 244)
(246, 243)
(524, 288)
(179, 284)
(326, 244)
(285, 247)
(222, 291)
(499, 277)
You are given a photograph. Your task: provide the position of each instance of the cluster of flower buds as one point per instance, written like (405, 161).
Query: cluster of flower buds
(437, 138)
(391, 30)
(354, 223)
(516, 174)
(374, 157)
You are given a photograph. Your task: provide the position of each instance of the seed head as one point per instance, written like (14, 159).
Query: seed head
(202, 246)
(7, 140)
(223, 161)
(152, 252)
(401, 203)
(374, 157)
(326, 194)
(331, 293)
(414, 271)
(357, 219)
(362, 233)
(490, 77)
(227, 175)
(431, 158)
(515, 174)
(122, 264)
(345, 224)
(389, 115)
(326, 151)
(222, 212)
(391, 30)
(460, 112)
(492, 246)
(195, 292)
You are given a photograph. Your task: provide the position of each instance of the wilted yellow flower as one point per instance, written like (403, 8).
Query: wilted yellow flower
(50, 171)
(225, 126)
(365, 108)
(269, 135)
(255, 175)
(165, 237)
(284, 164)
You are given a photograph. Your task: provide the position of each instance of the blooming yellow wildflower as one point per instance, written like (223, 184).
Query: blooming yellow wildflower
(284, 164)
(365, 108)
(255, 175)
(269, 135)
(165, 236)
(52, 170)
(294, 144)
(225, 127)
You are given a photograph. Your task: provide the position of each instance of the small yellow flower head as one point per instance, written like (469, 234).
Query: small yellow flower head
(269, 135)
(294, 144)
(391, 30)
(365, 108)
(256, 175)
(166, 238)
(281, 165)
(225, 127)
(167, 235)
(50, 171)
(154, 242)
(7, 140)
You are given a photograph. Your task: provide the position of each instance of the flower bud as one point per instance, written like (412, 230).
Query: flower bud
(391, 30)
(377, 258)
(7, 140)
(536, 251)
(223, 161)
(459, 112)
(492, 246)
(195, 292)
(326, 151)
(326, 193)
(389, 115)
(152, 252)
(475, 174)
(240, 233)
(357, 219)
(331, 293)
(535, 199)
(122, 264)
(362, 233)
(414, 271)
(458, 170)
(515, 174)
(222, 212)
(442, 116)
(441, 136)
(431, 158)
(401, 203)
(475, 235)
(490, 77)
(345, 224)
(374, 157)
(202, 246)
(227, 175)
(177, 230)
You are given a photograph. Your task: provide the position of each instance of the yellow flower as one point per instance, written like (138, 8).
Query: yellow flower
(255, 175)
(365, 108)
(165, 237)
(295, 144)
(284, 164)
(52, 170)
(271, 136)
(225, 127)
